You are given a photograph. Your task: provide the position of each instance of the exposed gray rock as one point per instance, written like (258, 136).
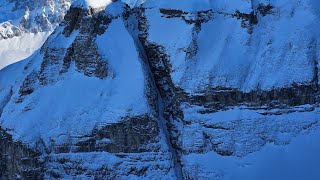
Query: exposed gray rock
(17, 161)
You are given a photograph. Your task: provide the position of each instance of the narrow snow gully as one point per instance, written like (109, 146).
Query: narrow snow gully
(5, 100)
(164, 127)
(138, 32)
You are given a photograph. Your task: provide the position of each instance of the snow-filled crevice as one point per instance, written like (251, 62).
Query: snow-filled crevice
(316, 70)
(134, 28)
(5, 100)
(313, 55)
(164, 126)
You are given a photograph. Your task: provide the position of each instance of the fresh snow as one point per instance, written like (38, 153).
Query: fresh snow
(279, 52)
(298, 160)
(104, 3)
(20, 47)
(276, 146)
(91, 3)
(80, 102)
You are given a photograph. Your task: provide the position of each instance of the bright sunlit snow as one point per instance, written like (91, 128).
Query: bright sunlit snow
(17, 48)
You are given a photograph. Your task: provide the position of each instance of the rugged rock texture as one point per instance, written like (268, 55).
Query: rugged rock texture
(130, 140)
(162, 91)
(17, 161)
(217, 115)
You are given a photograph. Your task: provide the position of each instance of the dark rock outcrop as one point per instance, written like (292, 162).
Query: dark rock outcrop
(131, 135)
(17, 161)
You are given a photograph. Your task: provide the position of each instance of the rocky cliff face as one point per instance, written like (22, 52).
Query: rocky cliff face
(17, 161)
(166, 90)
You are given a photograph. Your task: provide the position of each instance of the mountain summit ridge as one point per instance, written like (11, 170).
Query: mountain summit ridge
(25, 25)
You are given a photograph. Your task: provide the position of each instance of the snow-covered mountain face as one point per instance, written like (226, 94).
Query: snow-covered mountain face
(168, 89)
(30, 16)
(25, 25)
